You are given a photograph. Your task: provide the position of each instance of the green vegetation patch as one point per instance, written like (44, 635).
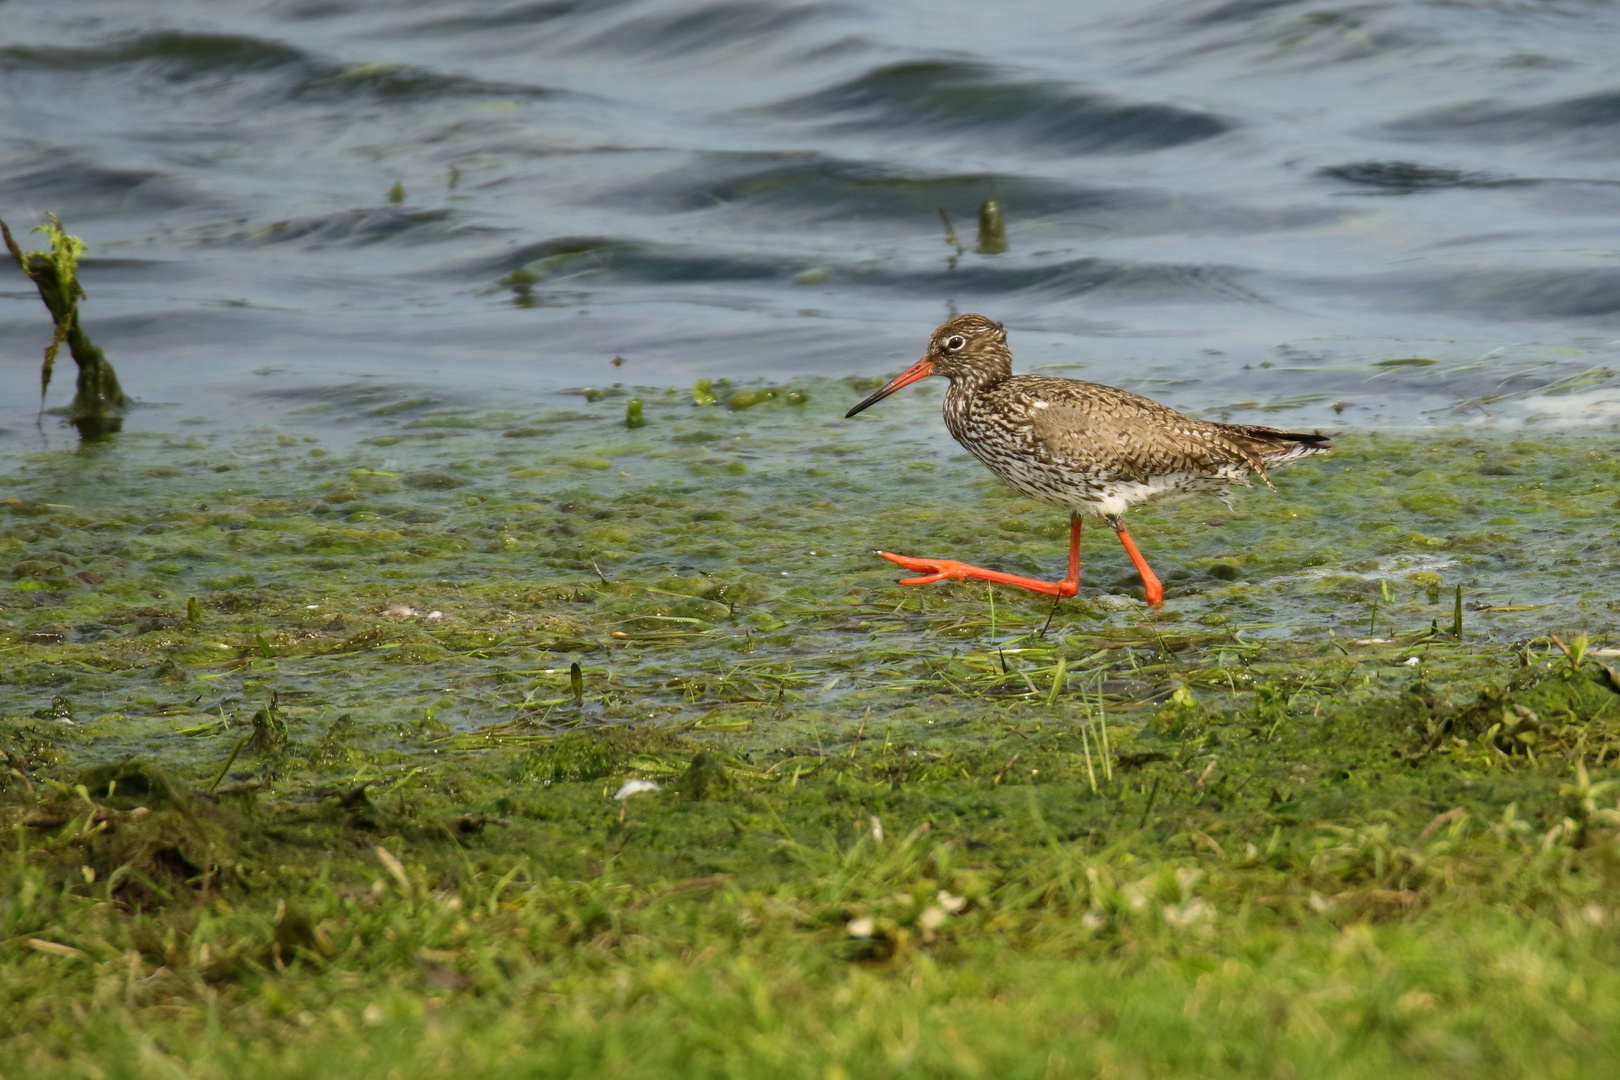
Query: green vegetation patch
(648, 766)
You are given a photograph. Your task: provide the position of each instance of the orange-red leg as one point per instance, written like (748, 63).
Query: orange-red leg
(1150, 580)
(950, 570)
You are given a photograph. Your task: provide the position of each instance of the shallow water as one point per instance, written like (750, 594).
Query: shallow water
(715, 566)
(1193, 192)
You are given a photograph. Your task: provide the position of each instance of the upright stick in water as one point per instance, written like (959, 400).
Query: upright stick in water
(99, 403)
(1093, 450)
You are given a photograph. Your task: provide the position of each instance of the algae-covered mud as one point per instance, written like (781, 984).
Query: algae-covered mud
(312, 750)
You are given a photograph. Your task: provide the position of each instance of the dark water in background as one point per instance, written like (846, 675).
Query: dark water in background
(1193, 191)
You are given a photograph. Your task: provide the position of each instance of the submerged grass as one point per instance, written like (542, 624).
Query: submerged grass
(311, 757)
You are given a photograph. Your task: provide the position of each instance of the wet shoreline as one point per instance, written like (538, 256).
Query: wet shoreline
(773, 503)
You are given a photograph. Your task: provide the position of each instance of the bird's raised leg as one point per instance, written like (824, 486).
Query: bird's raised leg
(950, 570)
(1150, 580)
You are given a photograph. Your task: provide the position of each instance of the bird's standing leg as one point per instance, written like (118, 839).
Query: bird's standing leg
(1150, 580)
(950, 570)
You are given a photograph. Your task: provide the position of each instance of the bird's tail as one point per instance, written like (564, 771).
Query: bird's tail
(1266, 447)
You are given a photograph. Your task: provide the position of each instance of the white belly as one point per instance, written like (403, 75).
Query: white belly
(1102, 498)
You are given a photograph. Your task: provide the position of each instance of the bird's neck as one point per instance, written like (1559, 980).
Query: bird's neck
(996, 369)
(965, 387)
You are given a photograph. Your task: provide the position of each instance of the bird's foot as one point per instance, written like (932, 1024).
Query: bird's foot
(933, 570)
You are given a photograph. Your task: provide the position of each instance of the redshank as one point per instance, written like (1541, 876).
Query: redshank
(1091, 449)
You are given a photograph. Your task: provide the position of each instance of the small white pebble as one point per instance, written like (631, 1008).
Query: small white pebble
(1412, 661)
(434, 615)
(862, 927)
(311, 607)
(399, 611)
(635, 787)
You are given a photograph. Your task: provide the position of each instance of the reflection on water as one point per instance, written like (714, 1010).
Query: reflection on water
(1241, 208)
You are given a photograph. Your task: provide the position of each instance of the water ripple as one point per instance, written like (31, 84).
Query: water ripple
(188, 58)
(729, 25)
(967, 100)
(1590, 122)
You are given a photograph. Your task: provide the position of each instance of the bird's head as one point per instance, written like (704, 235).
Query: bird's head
(967, 349)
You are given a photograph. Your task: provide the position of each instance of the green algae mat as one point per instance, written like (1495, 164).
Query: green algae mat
(594, 741)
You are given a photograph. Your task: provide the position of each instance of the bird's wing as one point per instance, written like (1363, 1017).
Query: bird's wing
(1120, 435)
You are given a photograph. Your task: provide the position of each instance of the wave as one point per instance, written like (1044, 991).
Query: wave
(506, 19)
(356, 227)
(1591, 122)
(189, 58)
(1238, 11)
(783, 190)
(573, 25)
(1503, 294)
(961, 99)
(816, 187)
(585, 262)
(1289, 34)
(52, 179)
(1406, 177)
(705, 27)
(178, 56)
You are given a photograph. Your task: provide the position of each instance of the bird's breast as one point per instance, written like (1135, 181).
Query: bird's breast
(1005, 439)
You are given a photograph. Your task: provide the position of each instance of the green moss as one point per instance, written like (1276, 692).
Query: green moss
(349, 806)
(592, 755)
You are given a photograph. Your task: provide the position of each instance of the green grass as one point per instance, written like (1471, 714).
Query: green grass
(1290, 826)
(1268, 915)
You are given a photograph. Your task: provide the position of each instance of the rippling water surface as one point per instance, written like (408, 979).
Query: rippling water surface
(1304, 213)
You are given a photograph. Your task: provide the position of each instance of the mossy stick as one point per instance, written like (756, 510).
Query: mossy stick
(99, 403)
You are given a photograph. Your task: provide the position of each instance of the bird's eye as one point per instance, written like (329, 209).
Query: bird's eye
(954, 342)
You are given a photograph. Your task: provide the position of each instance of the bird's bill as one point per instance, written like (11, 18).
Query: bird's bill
(920, 370)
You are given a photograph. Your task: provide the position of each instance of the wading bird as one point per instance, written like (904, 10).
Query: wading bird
(1091, 449)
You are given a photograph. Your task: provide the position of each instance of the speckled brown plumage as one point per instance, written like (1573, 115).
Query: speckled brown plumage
(1094, 450)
